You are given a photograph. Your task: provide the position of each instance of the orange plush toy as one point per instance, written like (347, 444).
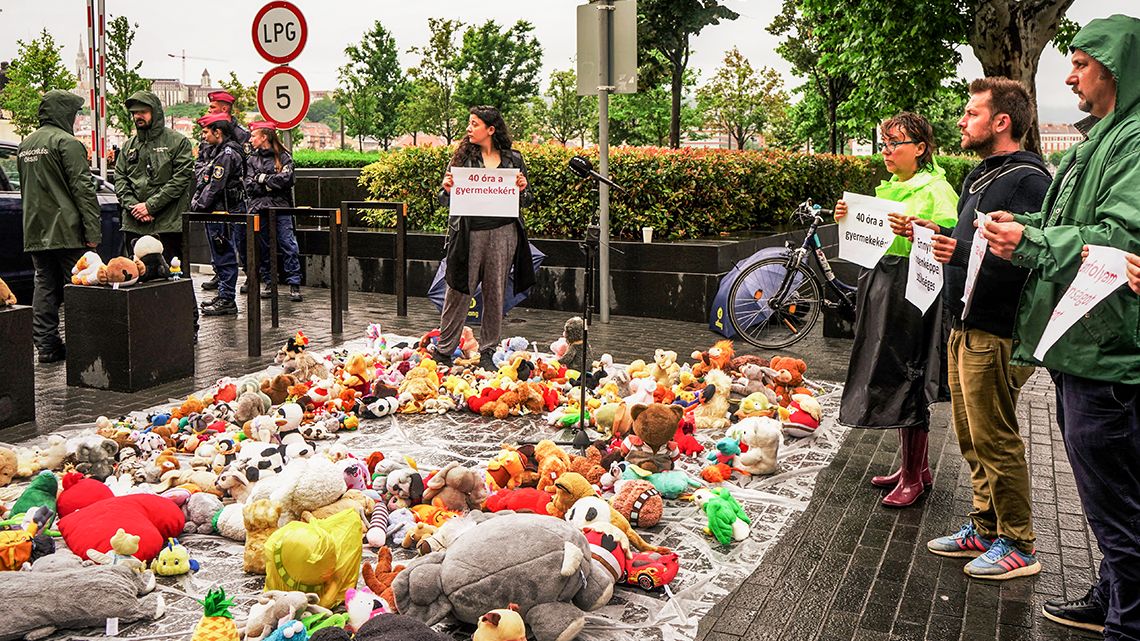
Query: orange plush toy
(790, 379)
(719, 357)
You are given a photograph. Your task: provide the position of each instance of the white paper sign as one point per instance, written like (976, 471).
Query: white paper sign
(924, 279)
(484, 192)
(865, 233)
(1100, 275)
(978, 248)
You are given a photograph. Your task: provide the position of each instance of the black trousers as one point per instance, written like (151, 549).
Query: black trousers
(53, 271)
(1100, 422)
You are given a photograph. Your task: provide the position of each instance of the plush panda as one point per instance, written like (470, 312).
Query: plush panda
(295, 446)
(149, 442)
(148, 251)
(260, 460)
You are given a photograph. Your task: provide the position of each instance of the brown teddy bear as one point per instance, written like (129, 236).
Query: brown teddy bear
(455, 488)
(6, 295)
(651, 446)
(553, 461)
(8, 465)
(589, 466)
(277, 387)
(790, 378)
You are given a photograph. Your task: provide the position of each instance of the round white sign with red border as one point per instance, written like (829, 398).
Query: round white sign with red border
(283, 97)
(279, 32)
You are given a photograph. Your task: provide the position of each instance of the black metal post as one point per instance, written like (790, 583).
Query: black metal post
(593, 234)
(402, 260)
(334, 275)
(274, 307)
(253, 291)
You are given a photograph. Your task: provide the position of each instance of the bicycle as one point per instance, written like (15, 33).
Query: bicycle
(776, 302)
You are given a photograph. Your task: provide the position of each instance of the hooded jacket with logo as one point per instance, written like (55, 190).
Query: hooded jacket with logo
(155, 166)
(61, 210)
(1093, 200)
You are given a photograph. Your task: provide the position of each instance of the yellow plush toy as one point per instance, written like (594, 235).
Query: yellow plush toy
(123, 548)
(501, 625)
(321, 556)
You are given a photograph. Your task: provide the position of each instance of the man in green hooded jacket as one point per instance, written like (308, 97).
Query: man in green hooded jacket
(1093, 200)
(61, 212)
(154, 172)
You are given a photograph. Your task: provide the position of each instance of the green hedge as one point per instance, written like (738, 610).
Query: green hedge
(309, 158)
(685, 193)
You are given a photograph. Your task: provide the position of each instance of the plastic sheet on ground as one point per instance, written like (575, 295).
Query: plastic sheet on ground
(709, 571)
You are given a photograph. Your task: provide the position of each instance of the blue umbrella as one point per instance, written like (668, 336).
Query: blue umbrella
(439, 288)
(718, 313)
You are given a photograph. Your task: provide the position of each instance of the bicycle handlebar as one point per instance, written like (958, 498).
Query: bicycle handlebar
(809, 211)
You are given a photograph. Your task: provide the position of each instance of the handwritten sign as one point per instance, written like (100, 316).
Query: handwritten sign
(864, 233)
(484, 192)
(978, 248)
(1100, 275)
(924, 280)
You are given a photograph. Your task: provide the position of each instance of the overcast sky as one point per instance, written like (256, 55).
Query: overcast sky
(220, 29)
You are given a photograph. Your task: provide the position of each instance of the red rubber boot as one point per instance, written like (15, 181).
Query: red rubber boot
(889, 481)
(910, 485)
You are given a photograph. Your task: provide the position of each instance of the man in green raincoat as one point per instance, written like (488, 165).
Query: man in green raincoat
(61, 212)
(1093, 200)
(154, 172)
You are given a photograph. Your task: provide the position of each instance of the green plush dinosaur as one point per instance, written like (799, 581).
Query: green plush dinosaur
(40, 493)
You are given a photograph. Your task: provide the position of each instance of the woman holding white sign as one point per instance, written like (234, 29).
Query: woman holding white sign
(895, 367)
(481, 250)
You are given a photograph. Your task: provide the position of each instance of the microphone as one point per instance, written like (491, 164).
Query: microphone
(581, 166)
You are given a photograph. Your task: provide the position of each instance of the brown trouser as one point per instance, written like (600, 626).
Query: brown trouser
(983, 390)
(490, 253)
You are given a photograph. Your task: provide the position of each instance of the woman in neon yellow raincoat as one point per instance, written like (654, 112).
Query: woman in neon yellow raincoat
(896, 364)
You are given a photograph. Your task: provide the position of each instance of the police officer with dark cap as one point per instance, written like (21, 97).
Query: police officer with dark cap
(219, 188)
(222, 102)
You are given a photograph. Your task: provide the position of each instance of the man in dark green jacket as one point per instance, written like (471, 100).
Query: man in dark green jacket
(61, 212)
(1093, 200)
(154, 172)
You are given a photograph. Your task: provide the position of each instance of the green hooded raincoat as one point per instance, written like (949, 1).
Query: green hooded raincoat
(1093, 200)
(61, 210)
(155, 166)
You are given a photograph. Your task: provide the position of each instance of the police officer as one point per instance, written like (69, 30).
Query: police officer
(222, 102)
(219, 188)
(269, 185)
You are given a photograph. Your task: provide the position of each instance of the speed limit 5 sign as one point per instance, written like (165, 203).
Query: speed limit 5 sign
(283, 97)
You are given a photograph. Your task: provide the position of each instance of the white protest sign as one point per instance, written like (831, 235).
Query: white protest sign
(924, 279)
(484, 192)
(1100, 275)
(864, 233)
(978, 249)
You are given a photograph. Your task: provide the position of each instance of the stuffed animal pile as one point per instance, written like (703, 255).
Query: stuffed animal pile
(258, 460)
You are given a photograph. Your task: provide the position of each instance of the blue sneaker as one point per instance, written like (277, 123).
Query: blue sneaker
(1003, 561)
(965, 543)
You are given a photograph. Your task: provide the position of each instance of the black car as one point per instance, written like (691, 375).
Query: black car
(15, 265)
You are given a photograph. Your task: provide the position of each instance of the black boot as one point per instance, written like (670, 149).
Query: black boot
(223, 307)
(211, 284)
(1086, 613)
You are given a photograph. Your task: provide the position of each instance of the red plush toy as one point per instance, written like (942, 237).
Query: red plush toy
(526, 499)
(686, 442)
(488, 395)
(80, 491)
(152, 518)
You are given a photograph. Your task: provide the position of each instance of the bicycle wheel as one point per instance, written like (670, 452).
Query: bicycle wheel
(768, 324)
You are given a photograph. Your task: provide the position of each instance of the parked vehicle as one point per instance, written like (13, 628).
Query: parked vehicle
(15, 265)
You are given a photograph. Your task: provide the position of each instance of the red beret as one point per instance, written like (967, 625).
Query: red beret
(262, 124)
(210, 119)
(220, 96)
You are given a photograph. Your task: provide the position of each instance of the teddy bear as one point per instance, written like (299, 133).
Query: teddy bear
(261, 519)
(665, 368)
(589, 466)
(572, 486)
(762, 437)
(719, 357)
(552, 460)
(754, 378)
(455, 488)
(93, 455)
(8, 465)
(354, 500)
(651, 446)
(277, 387)
(417, 533)
(712, 411)
(789, 378)
(508, 469)
(86, 269)
(200, 510)
(6, 295)
(573, 332)
(509, 403)
(121, 272)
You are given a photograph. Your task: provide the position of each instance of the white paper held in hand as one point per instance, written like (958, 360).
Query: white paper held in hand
(1100, 275)
(978, 247)
(924, 276)
(865, 233)
(484, 192)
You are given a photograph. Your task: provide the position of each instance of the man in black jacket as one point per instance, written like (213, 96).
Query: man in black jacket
(983, 384)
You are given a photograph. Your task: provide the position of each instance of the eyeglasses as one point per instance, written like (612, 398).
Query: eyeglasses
(893, 145)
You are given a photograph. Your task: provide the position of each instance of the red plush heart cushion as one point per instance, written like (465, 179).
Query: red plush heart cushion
(152, 518)
(79, 492)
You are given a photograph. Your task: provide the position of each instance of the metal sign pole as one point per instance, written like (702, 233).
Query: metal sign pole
(605, 37)
(101, 108)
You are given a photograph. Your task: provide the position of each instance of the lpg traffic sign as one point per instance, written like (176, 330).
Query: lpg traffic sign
(279, 32)
(283, 97)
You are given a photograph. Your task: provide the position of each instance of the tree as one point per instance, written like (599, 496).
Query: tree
(565, 115)
(1008, 36)
(36, 70)
(665, 26)
(356, 107)
(437, 75)
(322, 110)
(418, 112)
(376, 80)
(739, 99)
(499, 67)
(185, 110)
(123, 78)
(645, 118)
